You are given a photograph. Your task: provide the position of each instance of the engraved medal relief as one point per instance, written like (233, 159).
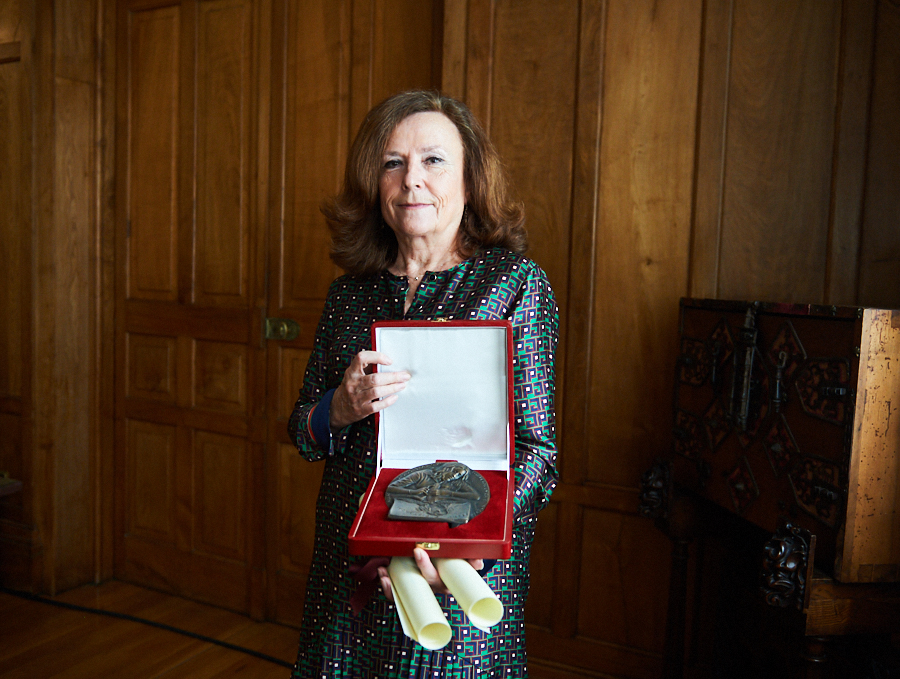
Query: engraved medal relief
(441, 491)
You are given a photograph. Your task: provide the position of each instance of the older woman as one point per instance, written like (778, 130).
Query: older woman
(425, 229)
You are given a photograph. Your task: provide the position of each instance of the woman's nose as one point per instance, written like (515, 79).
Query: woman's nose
(413, 176)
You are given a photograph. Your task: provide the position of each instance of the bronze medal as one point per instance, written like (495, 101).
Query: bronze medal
(440, 491)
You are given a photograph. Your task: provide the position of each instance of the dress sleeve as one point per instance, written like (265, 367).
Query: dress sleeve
(535, 337)
(302, 423)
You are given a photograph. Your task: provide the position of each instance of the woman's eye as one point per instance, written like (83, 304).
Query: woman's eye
(391, 164)
(431, 160)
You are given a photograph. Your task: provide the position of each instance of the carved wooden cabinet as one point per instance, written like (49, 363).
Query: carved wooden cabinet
(791, 413)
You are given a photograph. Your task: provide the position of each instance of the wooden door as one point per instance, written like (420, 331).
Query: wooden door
(190, 364)
(215, 503)
(333, 60)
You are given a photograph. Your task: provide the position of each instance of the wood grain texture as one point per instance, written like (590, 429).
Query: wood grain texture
(533, 121)
(729, 148)
(851, 134)
(298, 489)
(615, 565)
(14, 223)
(402, 28)
(316, 125)
(454, 46)
(778, 150)
(714, 81)
(12, 26)
(192, 332)
(103, 445)
(66, 297)
(879, 264)
(646, 175)
(333, 61)
(221, 466)
(151, 222)
(48, 641)
(223, 164)
(41, 409)
(872, 529)
(838, 609)
(150, 362)
(479, 59)
(573, 374)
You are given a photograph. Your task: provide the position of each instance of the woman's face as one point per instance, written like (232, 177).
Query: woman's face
(421, 187)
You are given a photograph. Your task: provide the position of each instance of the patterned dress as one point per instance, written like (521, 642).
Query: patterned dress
(335, 642)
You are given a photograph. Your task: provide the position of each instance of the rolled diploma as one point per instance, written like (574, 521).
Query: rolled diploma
(475, 598)
(420, 615)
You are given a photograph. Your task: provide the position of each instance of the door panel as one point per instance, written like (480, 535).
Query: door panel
(220, 478)
(317, 83)
(224, 62)
(151, 61)
(150, 460)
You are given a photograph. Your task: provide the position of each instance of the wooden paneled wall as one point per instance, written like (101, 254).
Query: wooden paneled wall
(56, 533)
(879, 248)
(719, 148)
(15, 288)
(723, 148)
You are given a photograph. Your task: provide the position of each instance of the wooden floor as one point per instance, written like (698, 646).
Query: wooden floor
(38, 640)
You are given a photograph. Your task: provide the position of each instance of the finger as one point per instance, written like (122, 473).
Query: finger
(429, 572)
(477, 564)
(376, 393)
(377, 406)
(385, 581)
(388, 377)
(365, 361)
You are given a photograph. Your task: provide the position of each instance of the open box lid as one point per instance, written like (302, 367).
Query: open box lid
(458, 404)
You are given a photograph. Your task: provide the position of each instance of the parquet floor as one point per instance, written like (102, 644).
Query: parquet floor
(40, 641)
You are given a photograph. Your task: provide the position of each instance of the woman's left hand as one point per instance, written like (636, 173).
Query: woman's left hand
(429, 572)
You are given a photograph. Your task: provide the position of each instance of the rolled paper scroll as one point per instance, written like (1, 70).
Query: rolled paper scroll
(475, 598)
(420, 614)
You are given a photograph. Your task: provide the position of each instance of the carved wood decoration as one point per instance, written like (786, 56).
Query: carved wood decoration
(822, 448)
(786, 567)
(656, 489)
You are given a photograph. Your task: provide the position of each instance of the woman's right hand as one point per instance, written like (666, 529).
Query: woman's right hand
(364, 391)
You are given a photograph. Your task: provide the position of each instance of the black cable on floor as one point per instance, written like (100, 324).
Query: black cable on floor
(151, 623)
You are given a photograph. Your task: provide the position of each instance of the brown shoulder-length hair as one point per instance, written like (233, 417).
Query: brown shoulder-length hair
(361, 242)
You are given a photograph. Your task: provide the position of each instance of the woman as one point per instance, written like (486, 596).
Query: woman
(425, 229)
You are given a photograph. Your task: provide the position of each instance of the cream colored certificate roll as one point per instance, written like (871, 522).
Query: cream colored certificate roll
(471, 592)
(424, 620)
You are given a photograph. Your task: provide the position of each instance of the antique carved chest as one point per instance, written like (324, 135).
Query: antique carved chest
(792, 413)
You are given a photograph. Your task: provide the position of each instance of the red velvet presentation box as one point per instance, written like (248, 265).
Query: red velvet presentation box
(458, 405)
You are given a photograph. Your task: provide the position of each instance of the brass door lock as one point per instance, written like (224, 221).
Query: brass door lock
(283, 329)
